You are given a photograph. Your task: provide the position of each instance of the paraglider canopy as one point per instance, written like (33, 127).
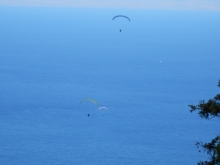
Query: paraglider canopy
(90, 100)
(103, 108)
(121, 16)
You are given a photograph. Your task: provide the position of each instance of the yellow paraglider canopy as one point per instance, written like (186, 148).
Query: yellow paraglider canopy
(91, 100)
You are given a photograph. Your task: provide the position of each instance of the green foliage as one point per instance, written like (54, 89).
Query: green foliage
(212, 149)
(208, 110)
(218, 152)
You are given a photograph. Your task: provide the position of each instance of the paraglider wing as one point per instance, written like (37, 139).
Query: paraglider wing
(121, 16)
(91, 100)
(103, 108)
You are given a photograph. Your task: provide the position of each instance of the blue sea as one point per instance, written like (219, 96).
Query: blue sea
(146, 75)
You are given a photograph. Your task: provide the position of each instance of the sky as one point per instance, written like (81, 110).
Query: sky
(144, 4)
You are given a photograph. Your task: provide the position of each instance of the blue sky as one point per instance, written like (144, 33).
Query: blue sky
(145, 4)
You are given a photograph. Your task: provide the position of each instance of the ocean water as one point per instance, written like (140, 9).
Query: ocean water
(147, 75)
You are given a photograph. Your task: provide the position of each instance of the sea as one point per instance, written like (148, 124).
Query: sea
(57, 62)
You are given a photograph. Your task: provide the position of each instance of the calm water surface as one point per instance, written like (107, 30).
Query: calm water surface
(147, 75)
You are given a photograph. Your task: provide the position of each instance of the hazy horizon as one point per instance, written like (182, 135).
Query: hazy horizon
(213, 5)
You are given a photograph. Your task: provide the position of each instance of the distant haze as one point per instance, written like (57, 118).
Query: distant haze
(145, 4)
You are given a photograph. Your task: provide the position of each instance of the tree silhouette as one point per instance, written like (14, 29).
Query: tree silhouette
(209, 110)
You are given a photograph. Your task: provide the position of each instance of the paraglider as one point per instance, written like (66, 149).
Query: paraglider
(122, 16)
(103, 108)
(90, 101)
